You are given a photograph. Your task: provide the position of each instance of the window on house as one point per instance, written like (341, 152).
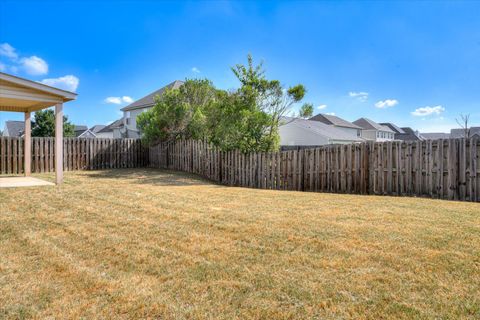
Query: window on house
(127, 117)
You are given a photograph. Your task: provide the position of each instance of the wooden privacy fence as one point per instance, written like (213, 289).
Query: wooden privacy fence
(78, 154)
(445, 169)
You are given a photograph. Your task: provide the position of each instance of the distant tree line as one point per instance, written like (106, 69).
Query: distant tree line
(247, 118)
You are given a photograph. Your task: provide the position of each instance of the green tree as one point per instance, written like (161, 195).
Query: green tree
(246, 119)
(268, 97)
(236, 123)
(44, 125)
(306, 111)
(179, 113)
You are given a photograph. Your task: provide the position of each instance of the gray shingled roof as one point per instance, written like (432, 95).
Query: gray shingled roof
(393, 127)
(368, 124)
(334, 121)
(79, 129)
(460, 133)
(115, 124)
(435, 135)
(148, 100)
(97, 128)
(321, 128)
(409, 135)
(14, 128)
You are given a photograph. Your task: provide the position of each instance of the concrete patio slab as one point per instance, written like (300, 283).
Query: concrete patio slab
(13, 182)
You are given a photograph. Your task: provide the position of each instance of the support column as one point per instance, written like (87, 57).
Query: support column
(27, 141)
(59, 143)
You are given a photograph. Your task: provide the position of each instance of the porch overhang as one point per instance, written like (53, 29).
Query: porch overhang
(23, 95)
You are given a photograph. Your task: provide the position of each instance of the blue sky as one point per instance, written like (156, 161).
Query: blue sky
(412, 63)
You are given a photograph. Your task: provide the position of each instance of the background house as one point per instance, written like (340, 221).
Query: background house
(338, 123)
(373, 131)
(111, 131)
(410, 135)
(302, 132)
(460, 133)
(403, 134)
(81, 131)
(97, 128)
(128, 128)
(434, 135)
(13, 129)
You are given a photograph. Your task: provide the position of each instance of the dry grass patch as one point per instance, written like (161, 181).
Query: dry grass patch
(156, 244)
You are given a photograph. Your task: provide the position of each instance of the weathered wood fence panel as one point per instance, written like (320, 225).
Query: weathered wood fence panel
(444, 169)
(78, 154)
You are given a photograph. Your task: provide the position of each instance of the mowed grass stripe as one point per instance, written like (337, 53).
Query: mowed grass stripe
(150, 243)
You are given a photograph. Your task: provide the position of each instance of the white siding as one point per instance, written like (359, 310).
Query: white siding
(370, 135)
(291, 135)
(116, 133)
(379, 136)
(351, 131)
(104, 134)
(132, 123)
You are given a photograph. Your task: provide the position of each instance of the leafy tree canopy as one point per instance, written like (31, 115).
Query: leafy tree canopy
(179, 113)
(246, 119)
(306, 111)
(44, 125)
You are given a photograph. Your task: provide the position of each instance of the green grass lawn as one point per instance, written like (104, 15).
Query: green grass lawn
(157, 244)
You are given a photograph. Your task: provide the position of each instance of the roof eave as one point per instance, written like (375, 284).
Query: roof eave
(66, 95)
(128, 108)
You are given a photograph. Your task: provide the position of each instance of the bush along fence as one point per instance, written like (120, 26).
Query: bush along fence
(78, 154)
(445, 169)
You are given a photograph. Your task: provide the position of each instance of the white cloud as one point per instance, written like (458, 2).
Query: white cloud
(426, 111)
(322, 106)
(360, 96)
(8, 51)
(127, 99)
(118, 100)
(69, 82)
(386, 103)
(114, 100)
(195, 70)
(34, 65)
(330, 113)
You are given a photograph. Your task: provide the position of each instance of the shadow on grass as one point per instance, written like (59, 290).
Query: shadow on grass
(158, 177)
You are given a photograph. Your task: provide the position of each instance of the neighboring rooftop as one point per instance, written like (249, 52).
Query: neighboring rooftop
(79, 129)
(368, 124)
(435, 135)
(322, 129)
(393, 127)
(460, 133)
(115, 124)
(97, 128)
(14, 128)
(409, 135)
(334, 121)
(148, 100)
